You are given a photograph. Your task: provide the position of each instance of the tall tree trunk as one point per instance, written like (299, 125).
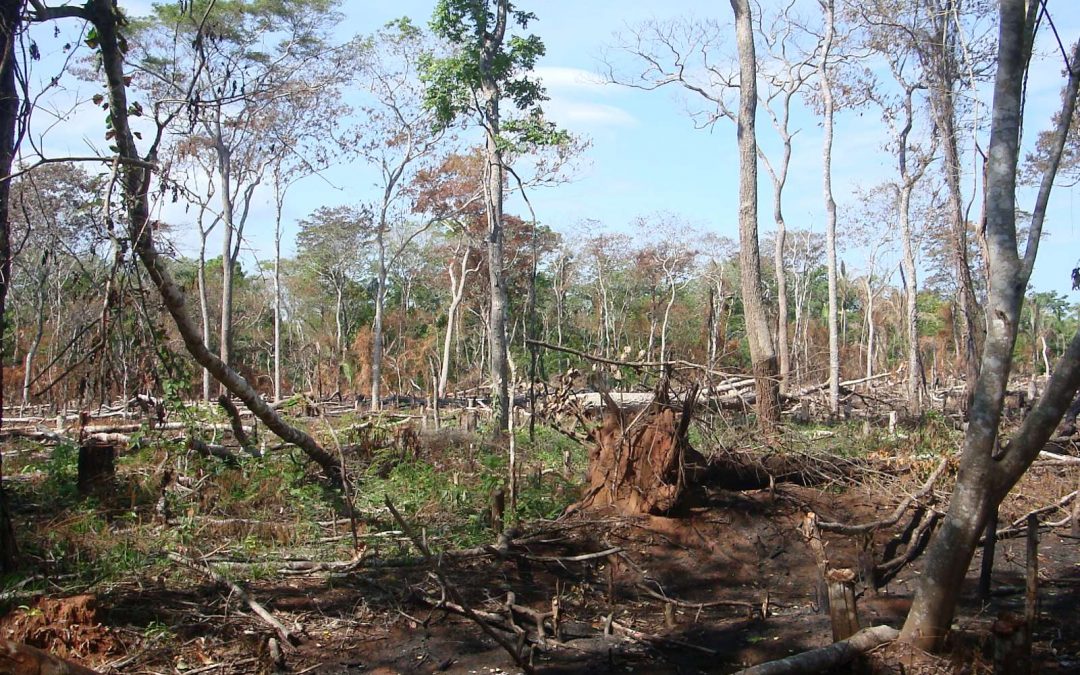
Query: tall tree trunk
(204, 307)
(497, 286)
(9, 116)
(377, 331)
(869, 328)
(940, 59)
(457, 291)
(762, 351)
(781, 286)
(989, 468)
(911, 295)
(830, 205)
(135, 184)
(39, 332)
(278, 204)
(227, 214)
(667, 315)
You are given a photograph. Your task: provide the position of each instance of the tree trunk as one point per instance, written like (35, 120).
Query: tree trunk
(640, 461)
(227, 214)
(9, 117)
(96, 467)
(500, 392)
(135, 183)
(989, 469)
(869, 329)
(377, 332)
(204, 308)
(940, 60)
(457, 290)
(277, 297)
(762, 351)
(911, 308)
(39, 331)
(781, 283)
(830, 207)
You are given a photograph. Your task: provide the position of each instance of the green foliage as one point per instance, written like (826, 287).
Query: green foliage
(487, 60)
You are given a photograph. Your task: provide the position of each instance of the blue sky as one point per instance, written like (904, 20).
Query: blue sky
(645, 155)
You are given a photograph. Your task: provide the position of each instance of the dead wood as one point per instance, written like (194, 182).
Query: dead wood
(639, 460)
(211, 450)
(827, 659)
(898, 512)
(923, 523)
(280, 628)
(236, 425)
(20, 659)
(516, 652)
(663, 639)
(1019, 526)
(664, 597)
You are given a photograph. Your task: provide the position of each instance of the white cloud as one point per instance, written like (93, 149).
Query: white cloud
(570, 79)
(586, 114)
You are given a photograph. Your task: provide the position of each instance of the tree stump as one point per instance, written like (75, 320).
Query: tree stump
(842, 611)
(97, 466)
(639, 461)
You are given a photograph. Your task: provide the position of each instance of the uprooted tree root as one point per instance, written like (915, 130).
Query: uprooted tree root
(641, 460)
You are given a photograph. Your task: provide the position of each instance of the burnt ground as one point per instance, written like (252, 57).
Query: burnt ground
(676, 595)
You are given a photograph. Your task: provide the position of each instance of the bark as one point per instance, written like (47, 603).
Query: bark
(377, 330)
(227, 214)
(762, 350)
(989, 470)
(493, 195)
(278, 208)
(911, 308)
(204, 306)
(135, 181)
(457, 290)
(939, 60)
(39, 331)
(9, 116)
(830, 206)
(826, 659)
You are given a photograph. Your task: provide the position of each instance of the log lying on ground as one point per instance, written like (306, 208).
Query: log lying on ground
(826, 659)
(19, 659)
(639, 460)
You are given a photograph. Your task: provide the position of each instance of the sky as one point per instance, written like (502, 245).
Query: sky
(645, 154)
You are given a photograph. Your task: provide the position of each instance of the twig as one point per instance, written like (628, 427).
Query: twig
(678, 363)
(259, 610)
(897, 514)
(471, 614)
(696, 605)
(575, 558)
(646, 637)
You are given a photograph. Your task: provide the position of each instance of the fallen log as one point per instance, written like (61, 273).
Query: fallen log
(19, 659)
(827, 659)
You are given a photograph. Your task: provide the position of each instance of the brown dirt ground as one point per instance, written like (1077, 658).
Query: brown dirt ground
(732, 554)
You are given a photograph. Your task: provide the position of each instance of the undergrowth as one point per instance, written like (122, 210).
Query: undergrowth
(268, 508)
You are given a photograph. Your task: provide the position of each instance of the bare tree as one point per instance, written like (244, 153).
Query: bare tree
(682, 53)
(785, 74)
(762, 350)
(402, 133)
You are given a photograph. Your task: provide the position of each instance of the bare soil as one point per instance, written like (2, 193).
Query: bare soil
(728, 584)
